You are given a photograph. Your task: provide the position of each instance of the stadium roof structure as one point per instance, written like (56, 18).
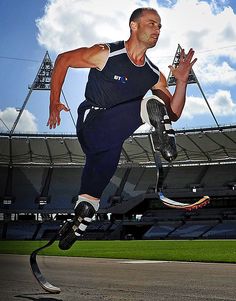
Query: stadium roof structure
(202, 146)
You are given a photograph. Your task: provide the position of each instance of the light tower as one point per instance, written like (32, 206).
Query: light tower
(42, 81)
(192, 79)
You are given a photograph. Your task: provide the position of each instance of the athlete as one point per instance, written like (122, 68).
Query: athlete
(120, 76)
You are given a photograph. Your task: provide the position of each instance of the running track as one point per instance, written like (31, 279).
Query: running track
(86, 279)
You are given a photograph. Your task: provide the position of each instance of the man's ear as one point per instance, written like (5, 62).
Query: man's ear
(133, 25)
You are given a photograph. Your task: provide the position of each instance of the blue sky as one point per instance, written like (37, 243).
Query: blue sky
(207, 26)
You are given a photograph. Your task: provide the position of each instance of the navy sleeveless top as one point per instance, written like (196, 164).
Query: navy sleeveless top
(120, 80)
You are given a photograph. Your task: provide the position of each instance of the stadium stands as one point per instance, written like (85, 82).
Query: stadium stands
(47, 229)
(224, 230)
(192, 229)
(40, 175)
(21, 230)
(162, 230)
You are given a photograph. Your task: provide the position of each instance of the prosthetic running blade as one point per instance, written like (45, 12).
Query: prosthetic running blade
(47, 286)
(178, 205)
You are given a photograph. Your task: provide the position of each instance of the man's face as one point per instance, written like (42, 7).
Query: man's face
(148, 28)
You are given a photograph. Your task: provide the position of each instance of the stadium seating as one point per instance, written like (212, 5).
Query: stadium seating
(48, 168)
(224, 230)
(21, 230)
(192, 229)
(161, 230)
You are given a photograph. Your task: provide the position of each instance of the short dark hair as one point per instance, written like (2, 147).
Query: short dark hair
(137, 13)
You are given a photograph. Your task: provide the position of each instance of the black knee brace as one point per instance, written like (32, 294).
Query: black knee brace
(163, 138)
(72, 229)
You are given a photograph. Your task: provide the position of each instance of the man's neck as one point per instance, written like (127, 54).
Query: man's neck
(135, 51)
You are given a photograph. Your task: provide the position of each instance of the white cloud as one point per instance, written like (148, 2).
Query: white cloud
(213, 73)
(207, 26)
(196, 24)
(221, 103)
(68, 24)
(27, 122)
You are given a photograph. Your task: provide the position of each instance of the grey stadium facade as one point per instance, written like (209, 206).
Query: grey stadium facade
(40, 178)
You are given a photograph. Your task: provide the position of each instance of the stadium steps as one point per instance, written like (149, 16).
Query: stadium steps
(161, 230)
(208, 230)
(192, 229)
(178, 226)
(223, 230)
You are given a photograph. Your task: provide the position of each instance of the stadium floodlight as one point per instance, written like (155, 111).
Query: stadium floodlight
(43, 78)
(42, 81)
(192, 79)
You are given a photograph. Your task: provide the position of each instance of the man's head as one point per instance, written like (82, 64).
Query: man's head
(137, 13)
(145, 25)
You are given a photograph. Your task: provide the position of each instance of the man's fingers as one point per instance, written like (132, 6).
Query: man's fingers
(182, 55)
(193, 62)
(66, 109)
(61, 107)
(190, 55)
(54, 118)
(53, 121)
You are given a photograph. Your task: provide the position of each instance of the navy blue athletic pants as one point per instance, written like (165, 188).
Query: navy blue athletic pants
(101, 133)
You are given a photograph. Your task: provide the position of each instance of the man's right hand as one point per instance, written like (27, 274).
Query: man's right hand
(54, 114)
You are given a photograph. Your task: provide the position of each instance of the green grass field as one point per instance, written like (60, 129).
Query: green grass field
(196, 250)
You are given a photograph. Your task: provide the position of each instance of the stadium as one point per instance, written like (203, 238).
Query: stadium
(40, 176)
(149, 247)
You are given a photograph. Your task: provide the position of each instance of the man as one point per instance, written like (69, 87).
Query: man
(120, 76)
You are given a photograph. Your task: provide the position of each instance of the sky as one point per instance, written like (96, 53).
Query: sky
(29, 28)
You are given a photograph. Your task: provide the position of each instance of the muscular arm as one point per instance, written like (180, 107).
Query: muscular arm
(175, 103)
(93, 57)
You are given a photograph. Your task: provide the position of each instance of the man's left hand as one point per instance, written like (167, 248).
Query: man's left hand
(181, 72)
